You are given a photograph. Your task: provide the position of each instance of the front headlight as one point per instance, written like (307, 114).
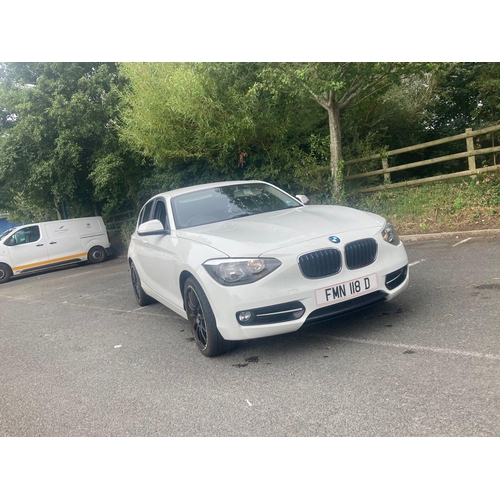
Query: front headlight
(231, 272)
(390, 234)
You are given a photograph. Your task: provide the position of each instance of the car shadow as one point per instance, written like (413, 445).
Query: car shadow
(358, 324)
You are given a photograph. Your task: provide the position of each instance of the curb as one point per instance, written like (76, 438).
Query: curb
(453, 234)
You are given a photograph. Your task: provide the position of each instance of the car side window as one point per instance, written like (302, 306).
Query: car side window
(28, 234)
(160, 213)
(146, 212)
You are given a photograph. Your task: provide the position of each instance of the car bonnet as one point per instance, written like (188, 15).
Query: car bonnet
(257, 234)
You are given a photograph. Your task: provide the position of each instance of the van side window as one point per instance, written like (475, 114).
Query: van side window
(26, 235)
(161, 213)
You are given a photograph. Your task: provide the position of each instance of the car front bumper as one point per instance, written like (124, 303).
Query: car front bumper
(285, 300)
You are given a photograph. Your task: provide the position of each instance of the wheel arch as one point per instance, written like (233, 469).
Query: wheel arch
(182, 281)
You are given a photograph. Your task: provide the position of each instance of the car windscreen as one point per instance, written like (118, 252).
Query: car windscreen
(6, 233)
(228, 202)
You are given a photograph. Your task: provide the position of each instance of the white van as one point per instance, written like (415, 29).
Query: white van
(45, 245)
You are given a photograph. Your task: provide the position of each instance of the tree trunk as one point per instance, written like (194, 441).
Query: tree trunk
(58, 211)
(335, 148)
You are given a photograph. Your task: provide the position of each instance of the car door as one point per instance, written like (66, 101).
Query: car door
(141, 243)
(158, 261)
(27, 248)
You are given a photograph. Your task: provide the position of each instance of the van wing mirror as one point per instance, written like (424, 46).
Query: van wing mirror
(303, 199)
(152, 227)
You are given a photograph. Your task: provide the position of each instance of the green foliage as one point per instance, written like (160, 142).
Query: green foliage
(126, 230)
(175, 113)
(22, 210)
(216, 121)
(57, 138)
(338, 87)
(441, 206)
(465, 95)
(395, 118)
(104, 137)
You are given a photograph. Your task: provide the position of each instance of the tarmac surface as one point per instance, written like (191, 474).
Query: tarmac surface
(78, 357)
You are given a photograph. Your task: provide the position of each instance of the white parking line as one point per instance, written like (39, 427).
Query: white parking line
(99, 292)
(76, 283)
(460, 242)
(416, 262)
(438, 350)
(138, 310)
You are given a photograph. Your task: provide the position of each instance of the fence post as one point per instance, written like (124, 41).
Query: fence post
(385, 166)
(470, 147)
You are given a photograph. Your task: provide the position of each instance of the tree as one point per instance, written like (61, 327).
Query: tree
(211, 121)
(466, 95)
(337, 87)
(58, 144)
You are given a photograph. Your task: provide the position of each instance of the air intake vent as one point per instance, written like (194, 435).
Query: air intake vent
(396, 278)
(321, 263)
(360, 253)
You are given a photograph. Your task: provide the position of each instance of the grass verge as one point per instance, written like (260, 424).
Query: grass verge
(448, 205)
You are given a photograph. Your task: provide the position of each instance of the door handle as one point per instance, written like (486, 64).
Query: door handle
(53, 242)
(40, 245)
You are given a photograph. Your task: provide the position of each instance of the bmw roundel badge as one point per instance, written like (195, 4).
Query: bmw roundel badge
(334, 239)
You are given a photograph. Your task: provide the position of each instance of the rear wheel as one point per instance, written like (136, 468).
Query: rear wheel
(5, 273)
(143, 299)
(202, 320)
(97, 255)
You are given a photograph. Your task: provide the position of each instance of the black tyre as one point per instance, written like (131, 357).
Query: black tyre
(5, 273)
(202, 320)
(143, 299)
(97, 255)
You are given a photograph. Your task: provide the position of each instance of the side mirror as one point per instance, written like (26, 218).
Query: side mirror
(152, 227)
(303, 199)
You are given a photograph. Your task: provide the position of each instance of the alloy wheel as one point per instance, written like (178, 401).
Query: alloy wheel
(196, 317)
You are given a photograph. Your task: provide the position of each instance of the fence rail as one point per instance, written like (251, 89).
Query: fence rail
(114, 221)
(470, 154)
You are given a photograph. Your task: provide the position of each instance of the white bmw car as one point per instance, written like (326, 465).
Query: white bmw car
(243, 260)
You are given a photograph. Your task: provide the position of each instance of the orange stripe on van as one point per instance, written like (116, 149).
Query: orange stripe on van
(50, 261)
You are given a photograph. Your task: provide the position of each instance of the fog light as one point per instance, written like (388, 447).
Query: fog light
(245, 316)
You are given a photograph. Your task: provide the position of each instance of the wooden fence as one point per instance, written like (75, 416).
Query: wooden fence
(115, 221)
(470, 154)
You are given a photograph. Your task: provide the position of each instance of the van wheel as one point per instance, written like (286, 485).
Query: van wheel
(202, 320)
(5, 273)
(143, 299)
(96, 255)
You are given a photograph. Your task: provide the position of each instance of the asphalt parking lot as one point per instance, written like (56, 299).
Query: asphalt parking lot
(78, 357)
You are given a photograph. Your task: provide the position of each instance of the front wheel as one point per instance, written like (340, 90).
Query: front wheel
(202, 320)
(5, 273)
(97, 255)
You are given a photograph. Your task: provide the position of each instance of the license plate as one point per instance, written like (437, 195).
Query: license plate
(346, 290)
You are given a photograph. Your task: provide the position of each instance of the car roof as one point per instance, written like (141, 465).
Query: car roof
(198, 187)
